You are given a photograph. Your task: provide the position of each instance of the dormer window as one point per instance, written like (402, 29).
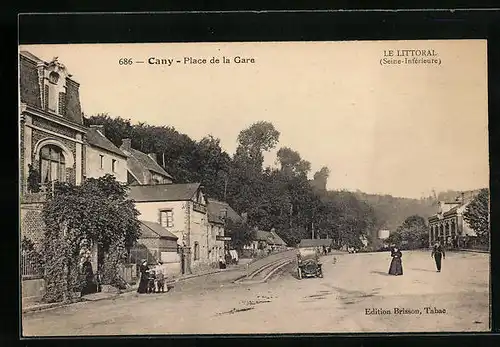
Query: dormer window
(53, 77)
(54, 88)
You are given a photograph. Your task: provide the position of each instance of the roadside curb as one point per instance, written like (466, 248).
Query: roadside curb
(131, 290)
(45, 307)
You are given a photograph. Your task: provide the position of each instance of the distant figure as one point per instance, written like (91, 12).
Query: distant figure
(160, 282)
(396, 268)
(438, 253)
(222, 264)
(98, 280)
(324, 250)
(143, 282)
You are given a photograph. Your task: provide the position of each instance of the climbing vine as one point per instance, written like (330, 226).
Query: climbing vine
(96, 212)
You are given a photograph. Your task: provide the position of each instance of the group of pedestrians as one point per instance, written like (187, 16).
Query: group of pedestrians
(151, 281)
(396, 267)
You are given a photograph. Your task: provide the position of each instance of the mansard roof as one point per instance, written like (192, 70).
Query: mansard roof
(30, 89)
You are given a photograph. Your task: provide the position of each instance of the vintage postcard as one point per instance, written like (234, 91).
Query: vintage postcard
(254, 188)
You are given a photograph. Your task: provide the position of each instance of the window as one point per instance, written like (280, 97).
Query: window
(196, 251)
(113, 165)
(53, 77)
(102, 160)
(52, 164)
(167, 218)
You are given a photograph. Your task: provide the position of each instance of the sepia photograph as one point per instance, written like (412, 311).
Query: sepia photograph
(254, 188)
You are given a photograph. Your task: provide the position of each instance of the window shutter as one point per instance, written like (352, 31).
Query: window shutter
(62, 103)
(172, 218)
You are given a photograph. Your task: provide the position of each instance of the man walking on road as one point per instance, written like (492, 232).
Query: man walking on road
(437, 253)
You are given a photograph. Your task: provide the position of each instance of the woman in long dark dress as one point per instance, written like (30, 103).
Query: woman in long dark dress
(396, 268)
(143, 282)
(89, 285)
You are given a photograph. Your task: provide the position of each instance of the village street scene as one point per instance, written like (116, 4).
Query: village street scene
(130, 226)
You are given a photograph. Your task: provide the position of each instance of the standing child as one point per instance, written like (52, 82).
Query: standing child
(160, 281)
(151, 282)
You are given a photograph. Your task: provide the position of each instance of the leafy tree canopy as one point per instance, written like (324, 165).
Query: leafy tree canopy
(477, 214)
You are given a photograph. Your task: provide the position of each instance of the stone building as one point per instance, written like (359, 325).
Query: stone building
(448, 224)
(182, 210)
(52, 147)
(219, 213)
(52, 135)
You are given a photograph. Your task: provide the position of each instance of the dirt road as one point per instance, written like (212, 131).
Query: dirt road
(355, 295)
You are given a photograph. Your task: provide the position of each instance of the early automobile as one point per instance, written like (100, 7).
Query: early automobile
(308, 264)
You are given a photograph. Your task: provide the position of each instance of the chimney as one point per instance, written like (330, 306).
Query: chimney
(99, 128)
(153, 156)
(126, 144)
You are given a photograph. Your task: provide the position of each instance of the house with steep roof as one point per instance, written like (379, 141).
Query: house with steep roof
(267, 241)
(219, 213)
(157, 244)
(102, 157)
(143, 168)
(182, 210)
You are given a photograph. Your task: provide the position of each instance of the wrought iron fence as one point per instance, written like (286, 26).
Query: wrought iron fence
(30, 267)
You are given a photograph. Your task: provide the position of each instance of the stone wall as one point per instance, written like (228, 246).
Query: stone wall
(32, 290)
(71, 145)
(32, 226)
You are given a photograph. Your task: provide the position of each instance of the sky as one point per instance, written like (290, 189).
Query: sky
(399, 129)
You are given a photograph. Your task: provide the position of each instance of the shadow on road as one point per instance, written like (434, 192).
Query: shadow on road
(426, 270)
(380, 273)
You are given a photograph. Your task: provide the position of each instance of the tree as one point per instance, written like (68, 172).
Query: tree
(395, 238)
(291, 162)
(258, 138)
(414, 232)
(97, 211)
(212, 167)
(477, 214)
(320, 178)
(241, 234)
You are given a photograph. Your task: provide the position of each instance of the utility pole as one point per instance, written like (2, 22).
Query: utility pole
(312, 230)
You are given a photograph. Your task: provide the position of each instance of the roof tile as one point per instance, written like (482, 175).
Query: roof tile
(164, 192)
(96, 139)
(151, 229)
